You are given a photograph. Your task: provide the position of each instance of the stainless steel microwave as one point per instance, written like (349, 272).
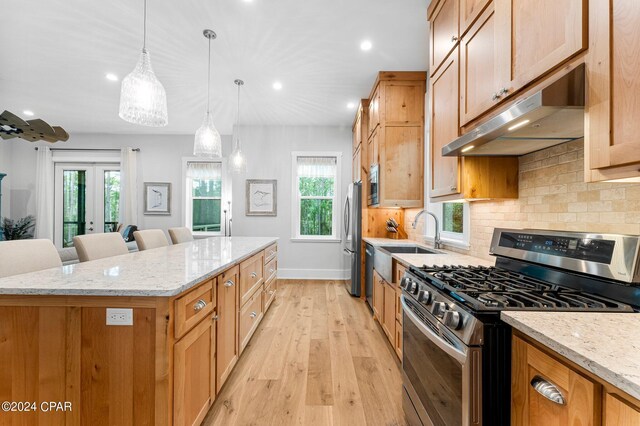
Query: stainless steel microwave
(373, 198)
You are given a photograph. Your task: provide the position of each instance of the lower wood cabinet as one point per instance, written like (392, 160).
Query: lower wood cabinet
(250, 316)
(387, 308)
(268, 295)
(389, 315)
(378, 296)
(227, 325)
(194, 374)
(251, 276)
(619, 413)
(398, 339)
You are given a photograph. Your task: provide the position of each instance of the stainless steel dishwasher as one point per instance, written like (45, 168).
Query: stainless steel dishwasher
(368, 274)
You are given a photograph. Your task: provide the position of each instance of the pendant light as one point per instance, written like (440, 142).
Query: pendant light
(238, 162)
(143, 100)
(208, 142)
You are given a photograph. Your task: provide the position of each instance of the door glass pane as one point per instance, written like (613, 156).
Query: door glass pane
(73, 205)
(206, 215)
(111, 199)
(453, 217)
(316, 216)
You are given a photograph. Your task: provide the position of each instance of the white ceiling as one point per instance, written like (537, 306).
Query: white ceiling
(56, 54)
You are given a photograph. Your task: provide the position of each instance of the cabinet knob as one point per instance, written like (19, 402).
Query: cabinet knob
(454, 188)
(454, 39)
(271, 270)
(253, 314)
(253, 275)
(503, 91)
(495, 97)
(199, 305)
(229, 283)
(215, 317)
(271, 291)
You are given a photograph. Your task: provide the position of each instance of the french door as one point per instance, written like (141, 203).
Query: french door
(87, 200)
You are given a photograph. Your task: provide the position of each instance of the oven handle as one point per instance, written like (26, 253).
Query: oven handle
(452, 351)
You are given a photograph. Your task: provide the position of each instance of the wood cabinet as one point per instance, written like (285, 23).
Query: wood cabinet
(620, 413)
(530, 365)
(389, 314)
(445, 32)
(251, 276)
(227, 325)
(373, 149)
(194, 306)
(469, 12)
(374, 112)
(378, 297)
(250, 317)
(612, 130)
(194, 374)
(386, 306)
(269, 294)
(356, 173)
(398, 340)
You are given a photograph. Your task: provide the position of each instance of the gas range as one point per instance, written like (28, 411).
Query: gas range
(451, 313)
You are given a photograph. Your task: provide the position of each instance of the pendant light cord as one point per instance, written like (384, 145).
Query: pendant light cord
(238, 120)
(208, 78)
(144, 27)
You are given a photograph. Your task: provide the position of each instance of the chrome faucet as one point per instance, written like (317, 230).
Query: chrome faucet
(437, 243)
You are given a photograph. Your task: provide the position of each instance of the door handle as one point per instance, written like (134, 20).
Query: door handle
(548, 390)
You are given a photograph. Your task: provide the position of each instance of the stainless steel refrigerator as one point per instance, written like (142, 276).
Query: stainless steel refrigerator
(352, 236)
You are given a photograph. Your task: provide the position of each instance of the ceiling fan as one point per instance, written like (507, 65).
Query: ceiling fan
(12, 126)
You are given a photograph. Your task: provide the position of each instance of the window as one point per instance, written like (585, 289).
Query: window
(454, 221)
(204, 189)
(315, 195)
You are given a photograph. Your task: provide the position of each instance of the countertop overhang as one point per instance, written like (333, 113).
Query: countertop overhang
(161, 272)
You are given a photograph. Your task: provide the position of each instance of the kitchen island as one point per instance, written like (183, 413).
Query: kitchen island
(146, 338)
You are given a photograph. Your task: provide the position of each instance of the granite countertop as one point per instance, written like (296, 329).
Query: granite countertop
(165, 271)
(605, 344)
(446, 258)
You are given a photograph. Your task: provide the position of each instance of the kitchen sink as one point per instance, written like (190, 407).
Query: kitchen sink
(409, 250)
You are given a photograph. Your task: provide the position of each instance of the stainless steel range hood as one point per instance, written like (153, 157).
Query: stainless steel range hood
(549, 117)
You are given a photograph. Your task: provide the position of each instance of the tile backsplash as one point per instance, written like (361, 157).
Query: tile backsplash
(553, 195)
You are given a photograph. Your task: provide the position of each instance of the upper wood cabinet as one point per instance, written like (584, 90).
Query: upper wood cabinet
(445, 32)
(534, 375)
(357, 130)
(374, 112)
(360, 130)
(469, 12)
(612, 128)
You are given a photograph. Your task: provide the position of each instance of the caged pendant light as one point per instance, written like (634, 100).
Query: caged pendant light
(143, 100)
(237, 160)
(207, 142)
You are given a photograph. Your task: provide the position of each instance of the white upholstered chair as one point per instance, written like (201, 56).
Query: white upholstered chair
(180, 235)
(150, 239)
(22, 256)
(98, 246)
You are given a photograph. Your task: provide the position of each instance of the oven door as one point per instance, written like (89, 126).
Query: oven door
(441, 374)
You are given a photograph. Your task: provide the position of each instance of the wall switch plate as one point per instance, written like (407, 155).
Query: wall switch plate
(119, 316)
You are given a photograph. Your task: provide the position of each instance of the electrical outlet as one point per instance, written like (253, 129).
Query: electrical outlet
(118, 316)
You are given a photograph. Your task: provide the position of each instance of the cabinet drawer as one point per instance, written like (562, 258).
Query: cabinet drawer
(269, 294)
(250, 316)
(270, 269)
(270, 253)
(194, 306)
(398, 305)
(251, 276)
(398, 345)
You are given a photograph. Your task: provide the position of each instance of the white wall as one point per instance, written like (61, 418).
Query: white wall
(160, 160)
(268, 151)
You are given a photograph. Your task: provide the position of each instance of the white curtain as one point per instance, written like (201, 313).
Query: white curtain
(128, 214)
(311, 167)
(196, 170)
(44, 194)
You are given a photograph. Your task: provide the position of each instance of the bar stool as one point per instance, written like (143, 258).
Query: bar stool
(150, 239)
(22, 256)
(180, 235)
(99, 246)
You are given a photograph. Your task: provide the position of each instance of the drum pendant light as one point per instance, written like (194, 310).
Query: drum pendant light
(143, 100)
(207, 142)
(237, 160)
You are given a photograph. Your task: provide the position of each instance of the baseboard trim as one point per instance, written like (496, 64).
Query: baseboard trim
(313, 274)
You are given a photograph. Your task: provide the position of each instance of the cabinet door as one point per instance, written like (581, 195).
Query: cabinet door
(374, 111)
(401, 160)
(544, 34)
(227, 325)
(378, 297)
(444, 31)
(469, 11)
(373, 149)
(529, 406)
(357, 130)
(619, 413)
(484, 62)
(444, 128)
(403, 103)
(194, 376)
(250, 317)
(612, 133)
(389, 323)
(357, 164)
(398, 342)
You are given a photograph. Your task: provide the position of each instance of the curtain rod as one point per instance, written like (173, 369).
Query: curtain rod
(87, 149)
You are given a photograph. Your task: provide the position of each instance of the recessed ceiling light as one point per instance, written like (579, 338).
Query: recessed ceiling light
(277, 85)
(351, 105)
(28, 112)
(111, 77)
(366, 45)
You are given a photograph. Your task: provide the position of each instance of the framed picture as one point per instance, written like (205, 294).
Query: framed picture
(262, 197)
(157, 198)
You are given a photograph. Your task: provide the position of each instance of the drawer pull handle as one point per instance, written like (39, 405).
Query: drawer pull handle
(548, 390)
(253, 314)
(199, 305)
(229, 283)
(253, 275)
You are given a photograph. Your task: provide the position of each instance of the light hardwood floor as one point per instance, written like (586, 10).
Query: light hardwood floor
(318, 358)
